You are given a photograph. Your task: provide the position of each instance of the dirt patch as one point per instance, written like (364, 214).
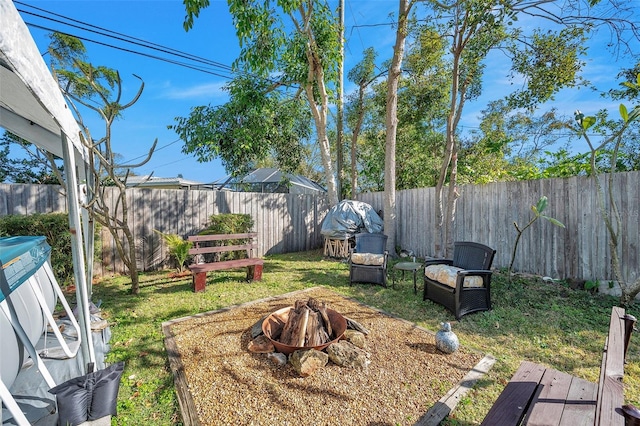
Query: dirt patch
(221, 382)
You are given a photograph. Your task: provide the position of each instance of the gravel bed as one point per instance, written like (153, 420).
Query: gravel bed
(230, 385)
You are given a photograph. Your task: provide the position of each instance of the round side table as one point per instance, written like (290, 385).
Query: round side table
(407, 266)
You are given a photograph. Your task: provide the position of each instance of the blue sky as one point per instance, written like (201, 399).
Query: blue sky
(171, 90)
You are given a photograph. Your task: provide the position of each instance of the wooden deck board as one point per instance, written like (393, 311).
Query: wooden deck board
(510, 406)
(553, 398)
(580, 409)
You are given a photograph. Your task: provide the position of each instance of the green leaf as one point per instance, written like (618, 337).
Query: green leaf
(554, 221)
(588, 122)
(623, 113)
(542, 204)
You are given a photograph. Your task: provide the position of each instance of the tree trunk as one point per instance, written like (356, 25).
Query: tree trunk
(449, 166)
(391, 122)
(320, 109)
(354, 144)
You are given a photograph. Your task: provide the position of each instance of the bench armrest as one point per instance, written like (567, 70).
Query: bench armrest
(475, 272)
(428, 261)
(631, 414)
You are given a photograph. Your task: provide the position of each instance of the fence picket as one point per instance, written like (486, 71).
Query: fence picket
(289, 222)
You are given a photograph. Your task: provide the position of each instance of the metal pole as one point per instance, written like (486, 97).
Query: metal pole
(77, 252)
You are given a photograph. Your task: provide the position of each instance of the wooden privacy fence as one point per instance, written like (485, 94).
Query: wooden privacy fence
(485, 213)
(284, 222)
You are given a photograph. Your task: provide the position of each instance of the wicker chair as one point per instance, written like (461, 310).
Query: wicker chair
(461, 284)
(368, 259)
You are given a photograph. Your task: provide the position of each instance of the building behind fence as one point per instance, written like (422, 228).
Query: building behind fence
(485, 213)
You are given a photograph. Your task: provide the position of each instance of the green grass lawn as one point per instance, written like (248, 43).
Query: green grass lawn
(546, 323)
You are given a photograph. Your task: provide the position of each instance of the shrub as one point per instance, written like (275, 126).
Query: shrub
(178, 248)
(228, 223)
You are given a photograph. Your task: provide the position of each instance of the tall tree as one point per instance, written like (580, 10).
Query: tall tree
(306, 57)
(391, 122)
(362, 75)
(256, 124)
(612, 135)
(545, 62)
(421, 97)
(92, 88)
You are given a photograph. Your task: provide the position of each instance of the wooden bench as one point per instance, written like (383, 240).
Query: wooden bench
(537, 395)
(204, 244)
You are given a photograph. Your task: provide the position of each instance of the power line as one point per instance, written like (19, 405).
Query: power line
(123, 37)
(156, 150)
(132, 40)
(159, 58)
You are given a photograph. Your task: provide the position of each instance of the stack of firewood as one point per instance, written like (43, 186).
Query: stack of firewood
(308, 325)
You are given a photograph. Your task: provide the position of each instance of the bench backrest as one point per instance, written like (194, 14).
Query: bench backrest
(370, 243)
(610, 388)
(471, 255)
(202, 243)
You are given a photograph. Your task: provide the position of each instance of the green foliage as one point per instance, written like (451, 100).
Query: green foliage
(228, 223)
(254, 125)
(178, 247)
(193, 8)
(629, 90)
(591, 285)
(78, 77)
(294, 44)
(549, 62)
(55, 227)
(421, 112)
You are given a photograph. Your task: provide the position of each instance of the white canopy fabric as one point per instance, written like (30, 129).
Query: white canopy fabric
(32, 107)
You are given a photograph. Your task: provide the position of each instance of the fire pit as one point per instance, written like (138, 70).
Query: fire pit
(272, 328)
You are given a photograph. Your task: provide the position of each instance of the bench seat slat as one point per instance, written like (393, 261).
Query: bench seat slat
(611, 392)
(225, 264)
(221, 249)
(580, 408)
(547, 406)
(221, 237)
(512, 403)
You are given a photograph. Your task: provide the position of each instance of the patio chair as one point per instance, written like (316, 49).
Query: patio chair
(368, 259)
(461, 284)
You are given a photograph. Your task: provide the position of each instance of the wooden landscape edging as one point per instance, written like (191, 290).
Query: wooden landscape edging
(441, 409)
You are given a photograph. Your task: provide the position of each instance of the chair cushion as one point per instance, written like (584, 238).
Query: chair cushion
(446, 274)
(373, 259)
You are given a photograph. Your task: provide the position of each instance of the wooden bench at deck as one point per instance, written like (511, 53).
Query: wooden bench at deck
(202, 244)
(537, 395)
